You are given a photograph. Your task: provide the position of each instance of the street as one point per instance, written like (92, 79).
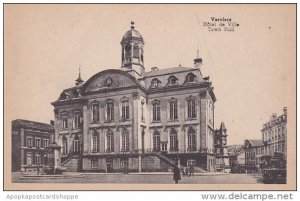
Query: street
(139, 178)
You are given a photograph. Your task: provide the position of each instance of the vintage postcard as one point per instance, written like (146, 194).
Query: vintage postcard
(150, 96)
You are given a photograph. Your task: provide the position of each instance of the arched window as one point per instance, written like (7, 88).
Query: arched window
(136, 53)
(29, 158)
(109, 141)
(65, 145)
(95, 141)
(173, 140)
(125, 140)
(156, 141)
(191, 139)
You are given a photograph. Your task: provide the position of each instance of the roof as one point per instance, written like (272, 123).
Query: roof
(133, 33)
(255, 142)
(171, 70)
(222, 127)
(32, 124)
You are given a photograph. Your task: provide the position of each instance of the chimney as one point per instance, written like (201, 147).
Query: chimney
(285, 110)
(51, 122)
(274, 115)
(154, 68)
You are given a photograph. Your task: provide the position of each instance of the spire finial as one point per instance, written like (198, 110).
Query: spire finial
(132, 25)
(197, 52)
(79, 79)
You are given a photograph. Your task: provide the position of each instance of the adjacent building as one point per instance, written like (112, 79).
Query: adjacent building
(236, 158)
(131, 119)
(274, 134)
(254, 149)
(29, 142)
(220, 143)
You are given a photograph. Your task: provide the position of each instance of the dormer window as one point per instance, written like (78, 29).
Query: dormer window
(172, 81)
(155, 83)
(191, 78)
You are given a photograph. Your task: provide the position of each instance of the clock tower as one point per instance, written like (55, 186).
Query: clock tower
(133, 51)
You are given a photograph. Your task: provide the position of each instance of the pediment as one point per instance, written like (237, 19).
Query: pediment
(109, 79)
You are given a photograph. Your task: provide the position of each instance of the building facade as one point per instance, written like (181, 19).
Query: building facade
(220, 143)
(254, 149)
(29, 142)
(274, 134)
(129, 119)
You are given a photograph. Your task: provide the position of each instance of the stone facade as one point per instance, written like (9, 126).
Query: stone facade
(29, 142)
(274, 134)
(131, 120)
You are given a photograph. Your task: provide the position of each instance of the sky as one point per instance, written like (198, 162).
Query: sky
(252, 69)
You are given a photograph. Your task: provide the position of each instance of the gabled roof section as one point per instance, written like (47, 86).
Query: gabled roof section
(253, 143)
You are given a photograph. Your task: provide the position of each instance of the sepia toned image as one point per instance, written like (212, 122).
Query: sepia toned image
(150, 96)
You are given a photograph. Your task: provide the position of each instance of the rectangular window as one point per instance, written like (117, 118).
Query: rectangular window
(29, 142)
(173, 142)
(173, 110)
(64, 119)
(191, 108)
(96, 114)
(156, 112)
(142, 112)
(125, 142)
(191, 142)
(37, 143)
(46, 142)
(77, 120)
(110, 143)
(125, 110)
(95, 164)
(110, 111)
(282, 131)
(95, 143)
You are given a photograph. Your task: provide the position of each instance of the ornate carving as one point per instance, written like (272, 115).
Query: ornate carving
(135, 95)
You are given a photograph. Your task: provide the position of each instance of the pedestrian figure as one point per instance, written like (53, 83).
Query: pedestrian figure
(191, 170)
(38, 170)
(183, 171)
(176, 173)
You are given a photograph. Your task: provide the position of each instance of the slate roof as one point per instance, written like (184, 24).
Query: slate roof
(168, 71)
(32, 124)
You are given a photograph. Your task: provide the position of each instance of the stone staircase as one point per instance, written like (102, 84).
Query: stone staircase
(164, 158)
(72, 163)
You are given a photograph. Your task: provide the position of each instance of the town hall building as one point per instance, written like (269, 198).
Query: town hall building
(130, 119)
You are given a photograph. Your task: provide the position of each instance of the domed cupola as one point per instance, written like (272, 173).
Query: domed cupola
(133, 51)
